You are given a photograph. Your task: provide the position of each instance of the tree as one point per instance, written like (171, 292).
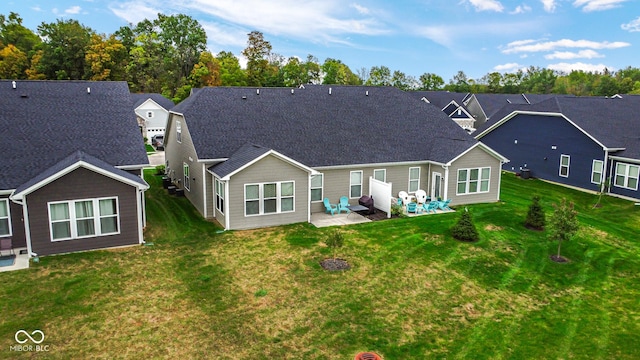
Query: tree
(335, 72)
(403, 82)
(206, 72)
(379, 76)
(145, 71)
(231, 74)
(459, 83)
(257, 53)
(12, 32)
(13, 63)
(334, 241)
(430, 82)
(535, 216)
(106, 59)
(464, 229)
(564, 225)
(64, 49)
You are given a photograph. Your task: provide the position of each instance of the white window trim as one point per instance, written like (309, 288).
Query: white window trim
(8, 217)
(178, 132)
(73, 218)
(413, 180)
(468, 181)
(219, 184)
(186, 172)
(384, 177)
(353, 184)
(278, 198)
(321, 188)
(626, 176)
(593, 168)
(562, 166)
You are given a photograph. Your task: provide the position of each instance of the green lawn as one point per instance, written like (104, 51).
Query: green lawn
(413, 291)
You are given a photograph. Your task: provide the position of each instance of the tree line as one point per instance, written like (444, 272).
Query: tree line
(168, 55)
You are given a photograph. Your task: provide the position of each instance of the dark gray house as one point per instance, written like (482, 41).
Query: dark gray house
(575, 141)
(250, 157)
(71, 166)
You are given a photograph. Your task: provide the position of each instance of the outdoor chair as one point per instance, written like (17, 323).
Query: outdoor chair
(444, 205)
(406, 199)
(412, 208)
(329, 208)
(6, 245)
(421, 196)
(343, 205)
(431, 207)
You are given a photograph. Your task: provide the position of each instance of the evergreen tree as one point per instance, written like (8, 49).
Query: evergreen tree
(464, 229)
(535, 216)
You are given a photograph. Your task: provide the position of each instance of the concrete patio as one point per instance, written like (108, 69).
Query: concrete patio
(324, 219)
(20, 262)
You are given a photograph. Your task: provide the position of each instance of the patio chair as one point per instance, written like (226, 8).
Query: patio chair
(421, 196)
(328, 207)
(431, 206)
(406, 198)
(444, 205)
(6, 245)
(343, 205)
(412, 208)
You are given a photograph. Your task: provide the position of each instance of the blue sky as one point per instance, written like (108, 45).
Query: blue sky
(413, 36)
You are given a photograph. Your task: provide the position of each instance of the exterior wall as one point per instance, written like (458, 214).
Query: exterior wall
(155, 124)
(268, 169)
(81, 184)
(536, 137)
(336, 181)
(476, 111)
(474, 159)
(220, 216)
(18, 239)
(176, 155)
(611, 173)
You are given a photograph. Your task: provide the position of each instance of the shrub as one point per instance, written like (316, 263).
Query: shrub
(464, 229)
(535, 217)
(334, 241)
(397, 210)
(160, 169)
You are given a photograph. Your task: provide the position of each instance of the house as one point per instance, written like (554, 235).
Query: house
(451, 104)
(152, 112)
(251, 158)
(483, 106)
(575, 141)
(62, 188)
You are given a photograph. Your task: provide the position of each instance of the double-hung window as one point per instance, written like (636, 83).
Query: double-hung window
(414, 179)
(355, 184)
(596, 171)
(178, 131)
(380, 174)
(627, 176)
(473, 181)
(269, 198)
(187, 182)
(564, 165)
(5, 218)
(317, 182)
(83, 218)
(220, 195)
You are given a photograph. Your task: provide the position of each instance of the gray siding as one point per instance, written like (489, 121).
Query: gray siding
(220, 217)
(18, 238)
(474, 159)
(268, 169)
(82, 184)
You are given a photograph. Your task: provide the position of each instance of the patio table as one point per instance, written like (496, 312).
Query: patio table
(354, 208)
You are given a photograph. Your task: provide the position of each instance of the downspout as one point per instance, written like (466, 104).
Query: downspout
(606, 164)
(140, 215)
(204, 190)
(499, 180)
(445, 189)
(227, 216)
(309, 197)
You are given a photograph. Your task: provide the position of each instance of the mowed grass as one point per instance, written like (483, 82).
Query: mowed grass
(413, 292)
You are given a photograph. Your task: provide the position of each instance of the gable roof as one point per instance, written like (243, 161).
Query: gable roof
(322, 125)
(44, 121)
(440, 98)
(74, 161)
(492, 103)
(610, 121)
(139, 99)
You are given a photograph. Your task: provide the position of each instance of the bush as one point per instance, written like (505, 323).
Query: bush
(160, 170)
(397, 210)
(334, 241)
(464, 229)
(535, 217)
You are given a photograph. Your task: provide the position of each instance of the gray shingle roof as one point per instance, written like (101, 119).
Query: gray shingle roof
(440, 98)
(240, 158)
(140, 98)
(43, 122)
(350, 125)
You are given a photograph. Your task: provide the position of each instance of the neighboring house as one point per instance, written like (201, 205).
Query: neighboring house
(575, 141)
(62, 188)
(252, 157)
(152, 111)
(450, 104)
(482, 107)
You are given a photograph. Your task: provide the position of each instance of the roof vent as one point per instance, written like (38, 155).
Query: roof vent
(301, 86)
(24, 95)
(13, 84)
(366, 93)
(244, 98)
(88, 90)
(329, 91)
(291, 91)
(257, 91)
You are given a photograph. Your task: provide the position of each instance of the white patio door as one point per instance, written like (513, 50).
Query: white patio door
(436, 186)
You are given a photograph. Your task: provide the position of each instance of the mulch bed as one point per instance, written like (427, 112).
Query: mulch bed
(335, 264)
(559, 259)
(377, 215)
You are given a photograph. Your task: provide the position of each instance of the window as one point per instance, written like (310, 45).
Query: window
(149, 114)
(317, 182)
(564, 165)
(355, 184)
(473, 181)
(83, 218)
(185, 170)
(269, 198)
(627, 176)
(414, 179)
(178, 131)
(596, 171)
(5, 218)
(220, 196)
(380, 175)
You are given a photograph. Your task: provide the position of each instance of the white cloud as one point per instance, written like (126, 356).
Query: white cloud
(134, 11)
(224, 35)
(568, 55)
(73, 10)
(549, 5)
(535, 46)
(598, 5)
(487, 5)
(633, 26)
(509, 68)
(567, 68)
(449, 35)
(521, 9)
(361, 9)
